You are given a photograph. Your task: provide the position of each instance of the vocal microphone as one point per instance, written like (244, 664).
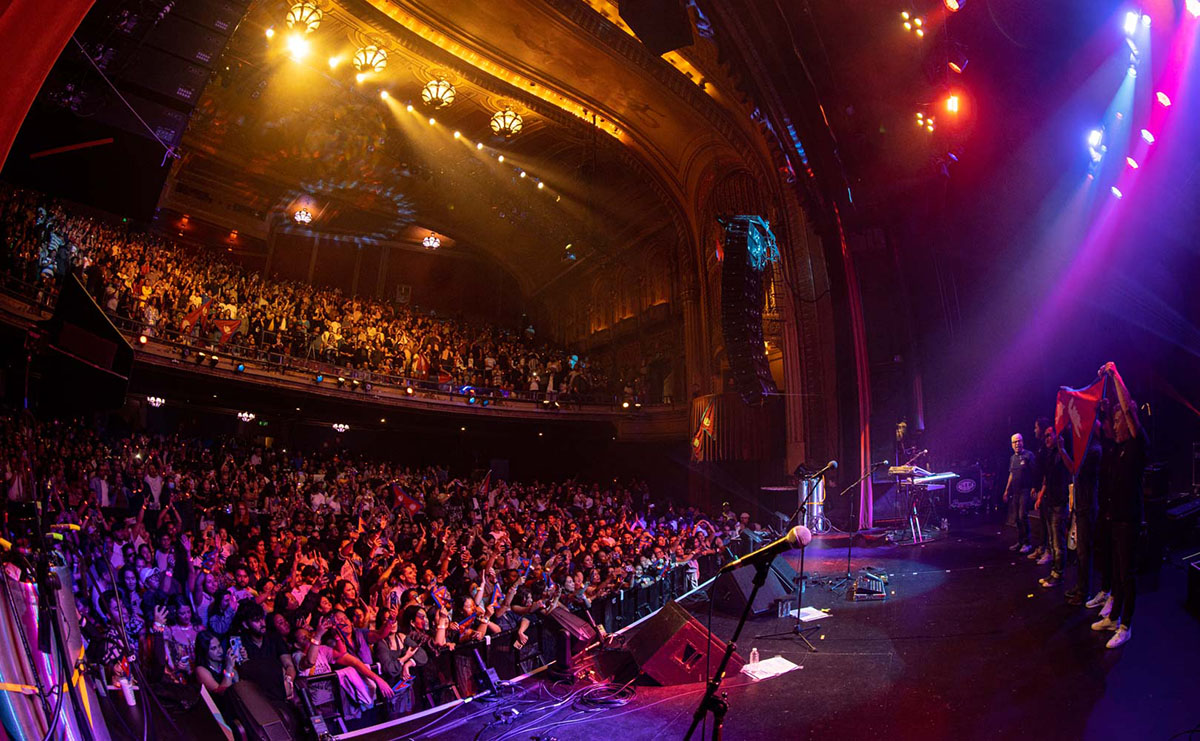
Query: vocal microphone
(828, 467)
(797, 537)
(884, 462)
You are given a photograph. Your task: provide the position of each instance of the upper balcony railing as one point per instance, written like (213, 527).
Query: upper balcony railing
(169, 347)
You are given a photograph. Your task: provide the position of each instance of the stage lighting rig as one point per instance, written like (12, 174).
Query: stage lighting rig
(954, 5)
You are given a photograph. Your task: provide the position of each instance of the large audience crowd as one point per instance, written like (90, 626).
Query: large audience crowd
(218, 562)
(168, 290)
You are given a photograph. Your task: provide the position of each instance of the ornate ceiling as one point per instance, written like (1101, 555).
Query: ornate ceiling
(617, 138)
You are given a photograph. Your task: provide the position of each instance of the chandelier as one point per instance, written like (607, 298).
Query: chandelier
(438, 93)
(507, 122)
(303, 216)
(246, 416)
(304, 16)
(431, 242)
(370, 58)
(155, 401)
(339, 427)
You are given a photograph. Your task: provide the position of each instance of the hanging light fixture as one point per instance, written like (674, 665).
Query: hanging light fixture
(339, 427)
(246, 416)
(303, 216)
(431, 242)
(370, 58)
(438, 93)
(507, 123)
(304, 16)
(155, 401)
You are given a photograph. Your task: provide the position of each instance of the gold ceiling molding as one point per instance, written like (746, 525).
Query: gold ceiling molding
(611, 13)
(421, 28)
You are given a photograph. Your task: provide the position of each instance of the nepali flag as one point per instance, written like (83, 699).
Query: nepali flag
(228, 328)
(708, 421)
(497, 596)
(486, 485)
(401, 498)
(1077, 407)
(191, 319)
(441, 597)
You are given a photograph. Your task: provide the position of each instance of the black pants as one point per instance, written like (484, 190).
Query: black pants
(1085, 527)
(1124, 540)
(1102, 552)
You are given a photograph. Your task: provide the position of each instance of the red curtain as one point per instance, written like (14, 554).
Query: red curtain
(739, 432)
(32, 35)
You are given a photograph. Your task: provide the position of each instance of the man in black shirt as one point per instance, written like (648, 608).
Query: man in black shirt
(1052, 503)
(267, 659)
(1083, 506)
(1122, 464)
(1019, 487)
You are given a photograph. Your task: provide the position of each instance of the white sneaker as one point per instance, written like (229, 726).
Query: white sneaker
(1122, 635)
(1025, 548)
(1045, 559)
(1105, 623)
(1107, 609)
(1098, 599)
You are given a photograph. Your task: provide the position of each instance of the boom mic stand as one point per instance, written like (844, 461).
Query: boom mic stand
(796, 630)
(847, 581)
(718, 705)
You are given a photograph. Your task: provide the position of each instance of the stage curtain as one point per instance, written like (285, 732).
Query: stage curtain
(32, 35)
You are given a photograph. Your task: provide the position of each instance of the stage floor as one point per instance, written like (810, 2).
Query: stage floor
(968, 646)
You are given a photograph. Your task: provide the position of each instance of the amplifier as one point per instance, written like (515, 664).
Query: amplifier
(1193, 588)
(966, 492)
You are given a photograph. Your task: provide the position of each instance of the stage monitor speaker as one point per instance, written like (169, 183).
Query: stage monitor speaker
(661, 25)
(672, 647)
(731, 590)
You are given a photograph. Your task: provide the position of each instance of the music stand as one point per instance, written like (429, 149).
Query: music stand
(796, 630)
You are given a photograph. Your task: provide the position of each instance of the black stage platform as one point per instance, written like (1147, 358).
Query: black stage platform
(969, 646)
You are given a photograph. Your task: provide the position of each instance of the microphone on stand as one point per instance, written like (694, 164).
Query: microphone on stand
(831, 465)
(884, 462)
(797, 537)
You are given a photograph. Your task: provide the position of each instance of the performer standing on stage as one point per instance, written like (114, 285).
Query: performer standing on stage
(1018, 489)
(1121, 466)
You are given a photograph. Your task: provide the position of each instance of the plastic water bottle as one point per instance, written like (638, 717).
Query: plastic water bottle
(754, 655)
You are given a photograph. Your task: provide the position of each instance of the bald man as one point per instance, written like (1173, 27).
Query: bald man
(1018, 490)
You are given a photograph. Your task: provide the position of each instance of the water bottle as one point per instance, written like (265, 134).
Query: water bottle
(754, 655)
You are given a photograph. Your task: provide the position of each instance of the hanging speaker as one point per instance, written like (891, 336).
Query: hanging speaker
(741, 313)
(661, 25)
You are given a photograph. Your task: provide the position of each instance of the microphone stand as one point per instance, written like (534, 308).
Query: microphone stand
(718, 705)
(847, 581)
(796, 630)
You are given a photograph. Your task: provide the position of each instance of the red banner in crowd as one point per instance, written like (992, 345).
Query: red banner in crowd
(228, 328)
(401, 498)
(190, 320)
(1077, 408)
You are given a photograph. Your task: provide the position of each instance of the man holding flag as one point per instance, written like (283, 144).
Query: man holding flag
(1122, 465)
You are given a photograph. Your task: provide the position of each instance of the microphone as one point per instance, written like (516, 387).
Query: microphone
(797, 537)
(828, 467)
(884, 462)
